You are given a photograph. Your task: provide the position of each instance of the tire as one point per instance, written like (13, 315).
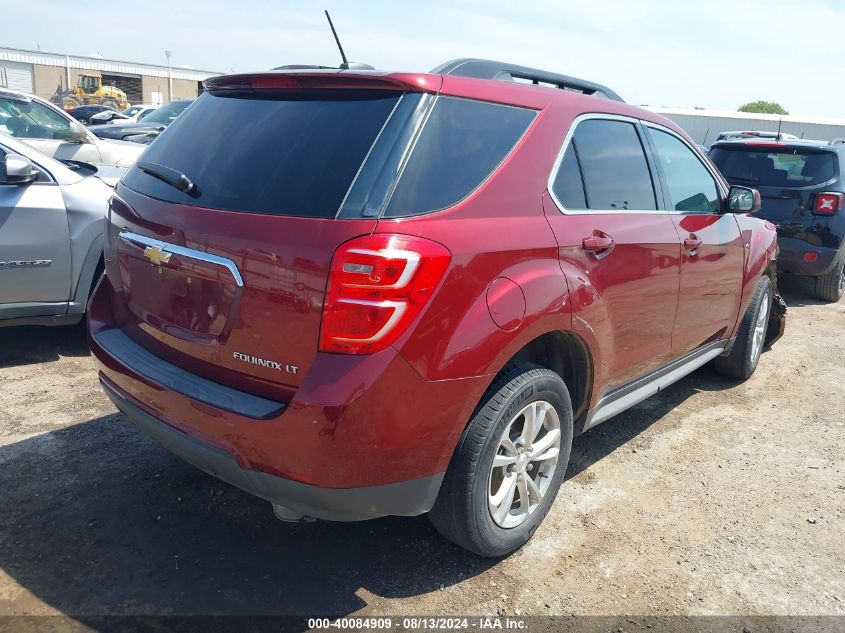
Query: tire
(831, 287)
(462, 512)
(745, 353)
(112, 104)
(69, 102)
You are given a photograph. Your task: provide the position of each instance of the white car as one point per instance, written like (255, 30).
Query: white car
(132, 114)
(55, 133)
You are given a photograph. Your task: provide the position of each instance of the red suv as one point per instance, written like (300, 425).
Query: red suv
(359, 294)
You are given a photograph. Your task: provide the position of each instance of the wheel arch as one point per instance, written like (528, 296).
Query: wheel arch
(88, 276)
(564, 353)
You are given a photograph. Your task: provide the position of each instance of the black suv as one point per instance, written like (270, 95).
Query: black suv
(803, 189)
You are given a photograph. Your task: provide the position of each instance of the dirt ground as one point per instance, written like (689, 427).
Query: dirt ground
(715, 497)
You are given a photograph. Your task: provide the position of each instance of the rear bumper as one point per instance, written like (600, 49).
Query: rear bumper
(364, 436)
(407, 498)
(791, 257)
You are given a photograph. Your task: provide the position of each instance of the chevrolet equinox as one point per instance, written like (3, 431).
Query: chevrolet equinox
(358, 294)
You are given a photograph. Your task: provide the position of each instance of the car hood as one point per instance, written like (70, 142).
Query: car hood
(119, 130)
(110, 175)
(120, 153)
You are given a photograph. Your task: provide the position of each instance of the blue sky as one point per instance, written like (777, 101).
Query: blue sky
(714, 53)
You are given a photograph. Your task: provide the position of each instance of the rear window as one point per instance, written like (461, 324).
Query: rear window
(271, 153)
(782, 167)
(462, 143)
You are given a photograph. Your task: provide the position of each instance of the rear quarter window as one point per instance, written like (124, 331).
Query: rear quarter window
(461, 144)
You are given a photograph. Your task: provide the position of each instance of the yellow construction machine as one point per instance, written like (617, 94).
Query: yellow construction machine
(90, 90)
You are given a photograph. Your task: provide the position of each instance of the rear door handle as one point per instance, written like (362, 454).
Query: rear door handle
(692, 243)
(597, 243)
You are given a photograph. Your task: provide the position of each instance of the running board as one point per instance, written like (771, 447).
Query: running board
(625, 397)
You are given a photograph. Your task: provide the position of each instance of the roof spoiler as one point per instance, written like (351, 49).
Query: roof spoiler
(487, 69)
(310, 78)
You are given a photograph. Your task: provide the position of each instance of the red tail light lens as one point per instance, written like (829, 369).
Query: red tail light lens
(829, 203)
(378, 285)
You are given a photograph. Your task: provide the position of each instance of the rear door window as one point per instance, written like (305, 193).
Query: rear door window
(462, 143)
(691, 187)
(614, 166)
(264, 152)
(781, 167)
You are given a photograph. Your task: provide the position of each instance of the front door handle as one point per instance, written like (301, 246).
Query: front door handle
(597, 243)
(692, 243)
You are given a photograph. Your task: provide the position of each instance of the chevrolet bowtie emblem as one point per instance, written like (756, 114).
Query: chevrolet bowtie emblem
(156, 255)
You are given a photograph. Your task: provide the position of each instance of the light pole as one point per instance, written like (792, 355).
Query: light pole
(169, 78)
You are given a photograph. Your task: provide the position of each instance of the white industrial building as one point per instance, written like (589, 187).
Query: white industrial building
(42, 73)
(705, 125)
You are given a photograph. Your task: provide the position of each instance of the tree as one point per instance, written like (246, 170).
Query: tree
(763, 107)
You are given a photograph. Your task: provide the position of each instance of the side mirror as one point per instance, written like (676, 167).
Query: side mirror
(17, 170)
(78, 133)
(744, 200)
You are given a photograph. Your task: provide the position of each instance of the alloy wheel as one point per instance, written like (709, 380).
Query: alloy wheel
(760, 329)
(524, 464)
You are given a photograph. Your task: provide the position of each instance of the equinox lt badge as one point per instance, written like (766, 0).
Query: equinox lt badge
(263, 362)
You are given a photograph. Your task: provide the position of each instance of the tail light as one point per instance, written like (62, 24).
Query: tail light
(829, 203)
(378, 285)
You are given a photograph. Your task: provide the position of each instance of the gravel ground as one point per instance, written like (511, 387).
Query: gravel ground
(715, 497)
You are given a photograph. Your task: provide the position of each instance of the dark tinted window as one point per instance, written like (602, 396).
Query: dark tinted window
(166, 114)
(568, 186)
(31, 119)
(760, 165)
(462, 142)
(616, 173)
(691, 187)
(259, 154)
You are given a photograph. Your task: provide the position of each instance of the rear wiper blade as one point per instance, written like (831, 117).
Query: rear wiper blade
(175, 179)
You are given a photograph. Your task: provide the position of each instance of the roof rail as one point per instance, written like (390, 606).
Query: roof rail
(487, 69)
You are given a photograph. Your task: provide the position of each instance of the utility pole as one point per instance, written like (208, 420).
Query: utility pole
(169, 78)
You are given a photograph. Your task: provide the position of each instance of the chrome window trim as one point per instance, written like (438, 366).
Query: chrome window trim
(559, 160)
(636, 122)
(406, 156)
(367, 156)
(183, 251)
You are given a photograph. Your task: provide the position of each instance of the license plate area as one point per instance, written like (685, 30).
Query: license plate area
(179, 293)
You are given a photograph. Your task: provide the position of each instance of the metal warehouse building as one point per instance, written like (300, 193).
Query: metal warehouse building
(705, 125)
(40, 73)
